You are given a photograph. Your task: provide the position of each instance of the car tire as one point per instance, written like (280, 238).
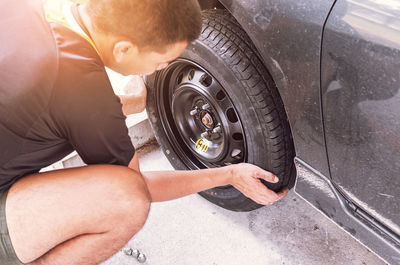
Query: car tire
(225, 55)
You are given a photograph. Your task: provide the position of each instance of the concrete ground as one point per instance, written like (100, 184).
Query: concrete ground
(192, 231)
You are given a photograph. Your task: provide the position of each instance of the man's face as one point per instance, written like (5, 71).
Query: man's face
(130, 61)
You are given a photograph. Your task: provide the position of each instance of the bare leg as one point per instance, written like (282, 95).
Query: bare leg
(75, 216)
(91, 249)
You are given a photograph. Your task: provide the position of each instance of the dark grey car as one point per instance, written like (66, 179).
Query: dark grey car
(306, 89)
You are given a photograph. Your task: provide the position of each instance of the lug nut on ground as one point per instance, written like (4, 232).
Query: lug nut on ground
(128, 251)
(136, 254)
(141, 258)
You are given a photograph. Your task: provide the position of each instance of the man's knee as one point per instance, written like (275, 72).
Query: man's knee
(128, 196)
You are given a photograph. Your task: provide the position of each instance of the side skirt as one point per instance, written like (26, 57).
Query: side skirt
(320, 192)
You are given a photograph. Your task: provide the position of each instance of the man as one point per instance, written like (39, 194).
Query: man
(56, 98)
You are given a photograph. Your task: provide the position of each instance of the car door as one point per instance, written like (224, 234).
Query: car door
(360, 85)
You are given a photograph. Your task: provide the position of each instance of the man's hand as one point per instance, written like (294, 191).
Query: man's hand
(134, 98)
(245, 178)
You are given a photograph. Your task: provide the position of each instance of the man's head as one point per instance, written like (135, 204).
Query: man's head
(141, 36)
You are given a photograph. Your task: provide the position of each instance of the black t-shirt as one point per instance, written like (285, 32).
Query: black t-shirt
(55, 97)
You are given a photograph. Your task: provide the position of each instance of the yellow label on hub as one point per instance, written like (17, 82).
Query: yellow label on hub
(202, 145)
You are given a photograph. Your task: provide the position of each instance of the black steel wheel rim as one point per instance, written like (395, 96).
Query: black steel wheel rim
(200, 120)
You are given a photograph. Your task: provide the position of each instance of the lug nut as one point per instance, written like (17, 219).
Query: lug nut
(141, 258)
(135, 253)
(204, 134)
(205, 106)
(193, 111)
(128, 251)
(217, 129)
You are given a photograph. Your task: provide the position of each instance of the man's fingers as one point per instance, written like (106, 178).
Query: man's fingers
(267, 176)
(266, 196)
(283, 193)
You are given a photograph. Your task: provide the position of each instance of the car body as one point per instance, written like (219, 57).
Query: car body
(336, 65)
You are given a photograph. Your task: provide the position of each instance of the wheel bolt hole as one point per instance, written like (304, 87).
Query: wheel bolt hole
(220, 95)
(237, 136)
(206, 80)
(191, 75)
(231, 115)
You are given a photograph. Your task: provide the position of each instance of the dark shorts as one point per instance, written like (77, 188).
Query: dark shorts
(7, 253)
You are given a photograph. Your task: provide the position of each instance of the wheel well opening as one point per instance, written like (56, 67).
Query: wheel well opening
(210, 4)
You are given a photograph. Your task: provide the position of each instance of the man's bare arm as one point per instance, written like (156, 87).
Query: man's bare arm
(169, 185)
(134, 98)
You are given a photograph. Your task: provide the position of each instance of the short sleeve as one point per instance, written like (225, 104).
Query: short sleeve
(89, 115)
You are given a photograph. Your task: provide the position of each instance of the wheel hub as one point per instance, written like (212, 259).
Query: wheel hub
(207, 120)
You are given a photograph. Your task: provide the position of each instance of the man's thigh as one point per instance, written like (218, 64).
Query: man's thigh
(46, 209)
